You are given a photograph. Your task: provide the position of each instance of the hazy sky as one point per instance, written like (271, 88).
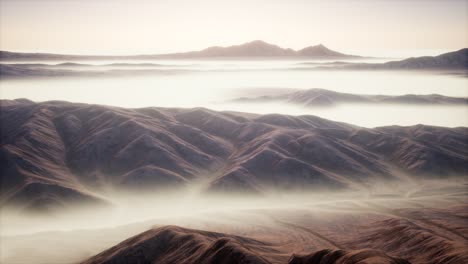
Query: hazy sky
(144, 26)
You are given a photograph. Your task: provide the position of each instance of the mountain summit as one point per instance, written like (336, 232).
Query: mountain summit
(253, 48)
(321, 51)
(260, 48)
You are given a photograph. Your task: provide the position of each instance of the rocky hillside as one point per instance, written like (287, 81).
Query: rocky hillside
(57, 152)
(172, 244)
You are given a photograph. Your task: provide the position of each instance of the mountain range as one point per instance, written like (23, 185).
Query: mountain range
(173, 244)
(451, 60)
(322, 97)
(55, 153)
(260, 48)
(257, 48)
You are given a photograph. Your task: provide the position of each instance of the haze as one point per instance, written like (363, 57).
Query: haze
(214, 84)
(378, 28)
(269, 131)
(258, 216)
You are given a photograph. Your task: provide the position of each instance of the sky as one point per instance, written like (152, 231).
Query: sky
(367, 27)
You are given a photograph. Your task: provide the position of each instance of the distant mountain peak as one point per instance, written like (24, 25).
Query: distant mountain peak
(260, 48)
(321, 51)
(256, 48)
(258, 42)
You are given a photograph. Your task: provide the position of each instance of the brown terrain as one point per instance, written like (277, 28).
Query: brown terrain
(422, 228)
(347, 232)
(172, 244)
(58, 152)
(312, 190)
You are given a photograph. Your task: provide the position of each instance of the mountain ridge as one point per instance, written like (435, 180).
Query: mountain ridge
(256, 48)
(451, 60)
(57, 152)
(173, 244)
(317, 97)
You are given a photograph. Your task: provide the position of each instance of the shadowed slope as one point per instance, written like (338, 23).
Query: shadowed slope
(172, 244)
(451, 60)
(419, 243)
(77, 150)
(328, 256)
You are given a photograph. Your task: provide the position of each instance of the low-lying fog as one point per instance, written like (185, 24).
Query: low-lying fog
(73, 234)
(124, 207)
(212, 84)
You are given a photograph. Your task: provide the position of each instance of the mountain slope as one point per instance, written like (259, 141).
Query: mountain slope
(56, 152)
(451, 60)
(328, 256)
(321, 51)
(172, 244)
(455, 59)
(322, 97)
(260, 48)
(255, 48)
